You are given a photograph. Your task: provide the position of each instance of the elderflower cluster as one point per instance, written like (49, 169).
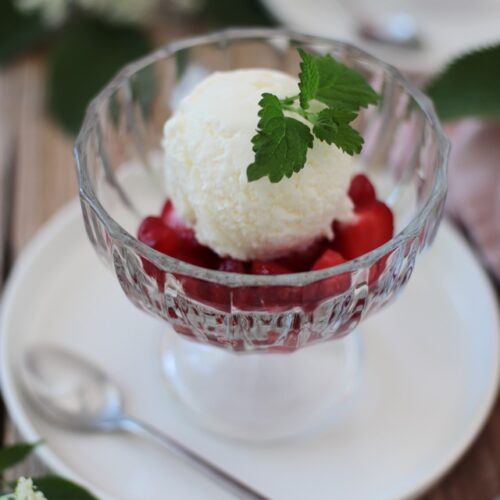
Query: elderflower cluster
(55, 11)
(24, 491)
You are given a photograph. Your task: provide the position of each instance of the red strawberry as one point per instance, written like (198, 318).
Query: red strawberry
(329, 258)
(232, 266)
(374, 225)
(361, 190)
(301, 260)
(206, 292)
(331, 286)
(269, 298)
(155, 234)
(189, 249)
(266, 268)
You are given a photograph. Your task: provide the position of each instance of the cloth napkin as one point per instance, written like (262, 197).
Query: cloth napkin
(474, 186)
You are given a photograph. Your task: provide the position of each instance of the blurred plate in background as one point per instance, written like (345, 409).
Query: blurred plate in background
(431, 377)
(446, 27)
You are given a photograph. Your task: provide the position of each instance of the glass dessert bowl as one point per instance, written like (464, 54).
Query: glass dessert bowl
(256, 357)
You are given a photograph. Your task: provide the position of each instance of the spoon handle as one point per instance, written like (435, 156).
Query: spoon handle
(221, 477)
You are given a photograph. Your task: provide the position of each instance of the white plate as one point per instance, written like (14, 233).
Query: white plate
(444, 36)
(431, 378)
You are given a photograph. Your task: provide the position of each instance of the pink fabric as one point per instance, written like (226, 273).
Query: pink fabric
(474, 186)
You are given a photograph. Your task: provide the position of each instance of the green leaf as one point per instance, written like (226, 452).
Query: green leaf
(332, 126)
(280, 144)
(308, 78)
(341, 86)
(84, 61)
(19, 31)
(12, 455)
(469, 86)
(245, 13)
(327, 122)
(57, 488)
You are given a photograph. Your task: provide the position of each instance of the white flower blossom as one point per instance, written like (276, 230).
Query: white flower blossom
(54, 11)
(24, 491)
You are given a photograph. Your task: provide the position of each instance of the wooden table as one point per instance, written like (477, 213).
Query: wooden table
(37, 177)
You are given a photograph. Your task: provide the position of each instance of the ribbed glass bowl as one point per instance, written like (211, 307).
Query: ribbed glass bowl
(119, 157)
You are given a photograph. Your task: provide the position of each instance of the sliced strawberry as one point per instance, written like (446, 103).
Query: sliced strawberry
(267, 268)
(155, 234)
(328, 287)
(361, 190)
(232, 266)
(206, 292)
(329, 258)
(301, 260)
(189, 249)
(268, 298)
(374, 225)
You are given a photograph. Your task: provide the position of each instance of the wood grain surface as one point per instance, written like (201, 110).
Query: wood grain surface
(37, 178)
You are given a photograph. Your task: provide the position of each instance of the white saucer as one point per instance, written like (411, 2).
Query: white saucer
(443, 37)
(432, 365)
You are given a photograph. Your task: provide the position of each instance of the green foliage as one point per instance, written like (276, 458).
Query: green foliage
(341, 86)
(58, 488)
(308, 78)
(469, 86)
(19, 31)
(12, 455)
(84, 60)
(281, 142)
(237, 13)
(332, 126)
(53, 487)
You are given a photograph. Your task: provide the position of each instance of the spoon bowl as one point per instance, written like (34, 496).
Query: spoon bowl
(69, 390)
(72, 392)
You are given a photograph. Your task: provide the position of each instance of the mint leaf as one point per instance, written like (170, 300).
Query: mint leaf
(308, 78)
(327, 123)
(348, 139)
(341, 86)
(468, 86)
(280, 144)
(12, 455)
(332, 126)
(57, 488)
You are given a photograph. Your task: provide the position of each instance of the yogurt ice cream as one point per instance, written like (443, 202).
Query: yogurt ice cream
(208, 148)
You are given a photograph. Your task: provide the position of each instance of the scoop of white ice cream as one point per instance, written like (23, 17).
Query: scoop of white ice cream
(207, 150)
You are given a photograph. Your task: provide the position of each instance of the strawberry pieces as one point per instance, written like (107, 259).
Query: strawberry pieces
(329, 259)
(232, 266)
(329, 287)
(374, 225)
(155, 234)
(361, 190)
(189, 249)
(299, 261)
(268, 268)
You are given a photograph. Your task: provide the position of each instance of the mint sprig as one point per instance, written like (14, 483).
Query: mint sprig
(281, 142)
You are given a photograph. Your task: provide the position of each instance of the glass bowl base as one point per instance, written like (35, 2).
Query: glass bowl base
(263, 396)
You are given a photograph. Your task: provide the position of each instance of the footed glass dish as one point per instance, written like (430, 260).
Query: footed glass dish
(256, 357)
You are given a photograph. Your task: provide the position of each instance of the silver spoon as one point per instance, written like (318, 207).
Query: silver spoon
(399, 30)
(74, 393)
